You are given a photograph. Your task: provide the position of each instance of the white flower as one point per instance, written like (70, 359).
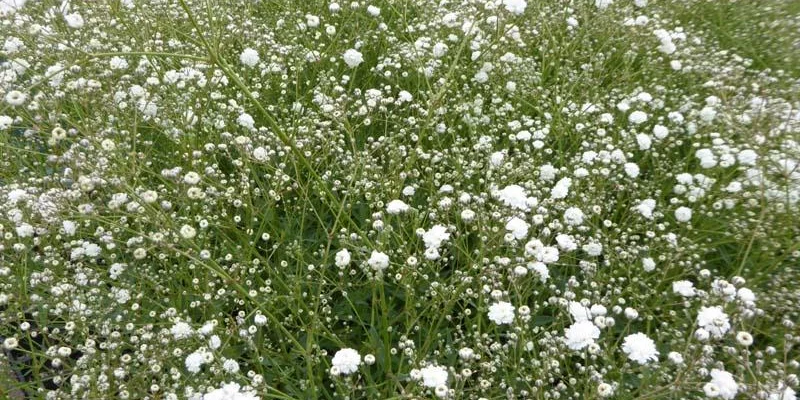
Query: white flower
(573, 216)
(644, 141)
(118, 63)
(260, 154)
(675, 357)
(566, 242)
(725, 384)
(433, 376)
(637, 117)
(378, 261)
(260, 319)
(181, 330)
(541, 269)
(711, 390)
(605, 390)
(194, 361)
(10, 343)
(373, 11)
(640, 348)
(648, 264)
(514, 196)
(744, 338)
(515, 6)
(660, 131)
(746, 157)
(188, 232)
(631, 169)
(707, 114)
(230, 366)
(246, 120)
(746, 295)
(353, 58)
(230, 391)
(15, 98)
(397, 207)
(561, 189)
(646, 207)
(581, 334)
(342, 258)
(714, 320)
(435, 236)
(602, 4)
(517, 227)
(346, 361)
(683, 288)
(312, 21)
(249, 57)
(683, 214)
(439, 50)
(11, 6)
(579, 312)
(467, 215)
(404, 97)
(74, 20)
(783, 393)
(5, 122)
(501, 313)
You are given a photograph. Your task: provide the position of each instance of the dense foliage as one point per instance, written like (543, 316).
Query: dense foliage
(467, 199)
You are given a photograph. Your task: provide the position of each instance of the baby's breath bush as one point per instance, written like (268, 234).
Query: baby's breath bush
(471, 199)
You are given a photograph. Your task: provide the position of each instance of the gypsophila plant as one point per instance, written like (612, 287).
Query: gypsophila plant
(399, 199)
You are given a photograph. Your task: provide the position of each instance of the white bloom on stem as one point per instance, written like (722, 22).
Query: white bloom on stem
(346, 361)
(581, 334)
(353, 58)
(501, 313)
(640, 348)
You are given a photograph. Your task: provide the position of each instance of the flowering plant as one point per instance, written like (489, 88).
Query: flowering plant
(473, 199)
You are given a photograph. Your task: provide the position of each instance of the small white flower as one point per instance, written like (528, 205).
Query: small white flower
(648, 264)
(518, 228)
(435, 237)
(602, 4)
(353, 58)
(342, 258)
(683, 214)
(15, 98)
(581, 334)
(714, 320)
(683, 288)
(397, 207)
(573, 216)
(501, 313)
(249, 57)
(637, 117)
(640, 348)
(433, 376)
(74, 20)
(726, 386)
(188, 232)
(744, 338)
(346, 361)
(515, 6)
(230, 366)
(246, 120)
(378, 261)
(675, 357)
